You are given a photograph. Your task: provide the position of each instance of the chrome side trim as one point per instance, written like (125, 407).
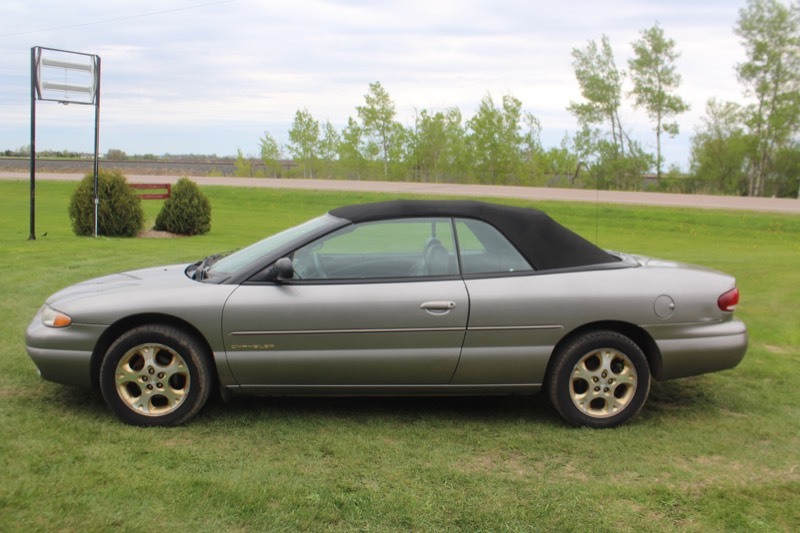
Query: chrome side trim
(392, 330)
(507, 328)
(349, 331)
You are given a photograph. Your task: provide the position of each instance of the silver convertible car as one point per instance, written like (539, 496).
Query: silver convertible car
(395, 298)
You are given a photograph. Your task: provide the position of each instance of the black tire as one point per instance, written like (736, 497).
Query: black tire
(155, 375)
(599, 380)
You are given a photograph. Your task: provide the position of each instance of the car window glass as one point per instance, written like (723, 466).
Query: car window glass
(485, 250)
(417, 247)
(264, 247)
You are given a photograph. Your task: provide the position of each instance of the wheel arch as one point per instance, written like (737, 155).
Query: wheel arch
(119, 327)
(638, 335)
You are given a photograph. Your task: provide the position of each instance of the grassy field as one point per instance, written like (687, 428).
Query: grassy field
(719, 452)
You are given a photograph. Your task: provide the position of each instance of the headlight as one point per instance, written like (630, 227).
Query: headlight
(54, 319)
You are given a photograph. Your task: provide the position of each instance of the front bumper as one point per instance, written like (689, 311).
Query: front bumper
(63, 355)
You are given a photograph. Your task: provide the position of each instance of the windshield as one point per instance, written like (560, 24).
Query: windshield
(237, 260)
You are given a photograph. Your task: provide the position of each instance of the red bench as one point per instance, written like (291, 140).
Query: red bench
(166, 187)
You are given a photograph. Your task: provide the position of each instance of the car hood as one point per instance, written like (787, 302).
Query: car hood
(153, 278)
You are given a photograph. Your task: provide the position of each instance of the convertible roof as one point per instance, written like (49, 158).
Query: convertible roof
(545, 243)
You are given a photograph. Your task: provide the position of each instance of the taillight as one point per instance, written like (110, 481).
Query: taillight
(728, 301)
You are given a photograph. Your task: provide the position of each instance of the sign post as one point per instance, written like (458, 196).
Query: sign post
(67, 78)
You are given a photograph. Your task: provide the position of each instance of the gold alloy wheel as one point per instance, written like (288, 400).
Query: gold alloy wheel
(152, 379)
(603, 383)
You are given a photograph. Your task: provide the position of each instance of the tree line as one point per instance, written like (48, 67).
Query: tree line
(748, 148)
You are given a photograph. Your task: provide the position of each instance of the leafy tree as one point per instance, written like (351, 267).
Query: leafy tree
(455, 160)
(328, 146)
(606, 168)
(429, 145)
(377, 117)
(787, 172)
(494, 140)
(601, 86)
(399, 153)
(304, 141)
(722, 148)
(115, 154)
(351, 148)
(243, 165)
(611, 157)
(655, 78)
(270, 153)
(532, 151)
(770, 32)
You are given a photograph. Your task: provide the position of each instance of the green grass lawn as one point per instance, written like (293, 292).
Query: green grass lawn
(719, 452)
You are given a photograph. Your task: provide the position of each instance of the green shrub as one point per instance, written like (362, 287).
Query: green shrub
(187, 211)
(119, 212)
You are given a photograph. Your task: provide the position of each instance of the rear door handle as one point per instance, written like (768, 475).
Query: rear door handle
(440, 306)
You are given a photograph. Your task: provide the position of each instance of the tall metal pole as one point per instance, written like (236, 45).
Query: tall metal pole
(96, 142)
(32, 236)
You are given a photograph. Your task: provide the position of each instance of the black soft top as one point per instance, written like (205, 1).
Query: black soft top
(545, 243)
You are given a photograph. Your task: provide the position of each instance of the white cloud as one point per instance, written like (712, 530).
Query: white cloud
(202, 76)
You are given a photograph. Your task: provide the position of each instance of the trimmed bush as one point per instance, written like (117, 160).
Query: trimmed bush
(119, 212)
(187, 211)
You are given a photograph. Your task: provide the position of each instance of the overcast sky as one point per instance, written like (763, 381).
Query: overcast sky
(195, 76)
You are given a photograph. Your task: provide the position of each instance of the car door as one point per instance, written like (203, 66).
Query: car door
(510, 334)
(373, 304)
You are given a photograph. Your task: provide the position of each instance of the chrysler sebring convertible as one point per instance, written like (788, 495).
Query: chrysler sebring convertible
(406, 297)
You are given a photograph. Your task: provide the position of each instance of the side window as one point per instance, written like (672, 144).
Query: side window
(414, 247)
(485, 250)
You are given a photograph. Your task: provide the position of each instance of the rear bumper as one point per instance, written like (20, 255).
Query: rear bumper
(688, 350)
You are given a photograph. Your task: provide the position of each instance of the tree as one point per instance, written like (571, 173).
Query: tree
(455, 160)
(115, 154)
(721, 149)
(494, 140)
(601, 85)
(243, 165)
(654, 79)
(329, 146)
(304, 141)
(612, 159)
(532, 151)
(350, 148)
(429, 143)
(377, 117)
(270, 153)
(770, 33)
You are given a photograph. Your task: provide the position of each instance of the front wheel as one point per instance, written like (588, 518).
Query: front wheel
(600, 379)
(155, 375)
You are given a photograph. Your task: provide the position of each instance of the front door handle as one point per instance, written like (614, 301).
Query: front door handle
(437, 307)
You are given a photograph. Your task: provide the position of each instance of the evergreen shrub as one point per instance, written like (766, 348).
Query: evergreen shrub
(187, 211)
(119, 212)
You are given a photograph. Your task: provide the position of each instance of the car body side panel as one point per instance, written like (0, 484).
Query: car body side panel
(63, 355)
(345, 333)
(516, 322)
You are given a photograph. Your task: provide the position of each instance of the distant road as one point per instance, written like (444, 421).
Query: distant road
(779, 205)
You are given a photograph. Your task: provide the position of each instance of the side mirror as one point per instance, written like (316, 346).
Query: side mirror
(282, 269)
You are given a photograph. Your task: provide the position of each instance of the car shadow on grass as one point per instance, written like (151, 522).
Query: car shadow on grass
(400, 409)
(683, 398)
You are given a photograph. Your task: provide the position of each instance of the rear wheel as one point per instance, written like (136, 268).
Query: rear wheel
(600, 379)
(155, 375)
